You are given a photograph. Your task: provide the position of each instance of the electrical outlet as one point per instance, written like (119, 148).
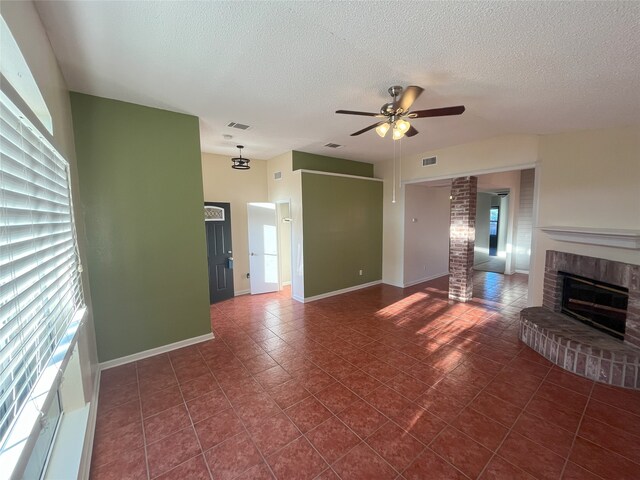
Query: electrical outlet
(360, 273)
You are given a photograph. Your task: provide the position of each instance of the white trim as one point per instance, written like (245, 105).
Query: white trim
(297, 299)
(25, 429)
(154, 351)
(339, 292)
(484, 171)
(425, 279)
(316, 172)
(608, 237)
(526, 272)
(65, 458)
(85, 463)
(284, 284)
(241, 292)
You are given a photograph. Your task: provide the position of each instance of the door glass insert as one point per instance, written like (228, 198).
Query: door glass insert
(213, 214)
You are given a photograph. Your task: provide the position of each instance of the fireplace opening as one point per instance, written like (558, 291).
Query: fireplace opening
(598, 304)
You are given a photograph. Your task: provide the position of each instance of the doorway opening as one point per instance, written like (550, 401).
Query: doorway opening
(269, 226)
(503, 228)
(494, 225)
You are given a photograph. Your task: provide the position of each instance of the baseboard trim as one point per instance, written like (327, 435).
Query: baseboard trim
(284, 284)
(85, 463)
(339, 292)
(154, 351)
(526, 272)
(425, 279)
(241, 292)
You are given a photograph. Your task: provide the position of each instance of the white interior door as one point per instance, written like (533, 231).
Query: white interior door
(263, 247)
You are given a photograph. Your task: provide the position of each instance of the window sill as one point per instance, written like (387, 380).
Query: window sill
(17, 447)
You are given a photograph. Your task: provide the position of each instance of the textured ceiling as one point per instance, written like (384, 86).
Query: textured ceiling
(284, 67)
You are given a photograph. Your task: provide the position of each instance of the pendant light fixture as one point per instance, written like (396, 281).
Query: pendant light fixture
(240, 163)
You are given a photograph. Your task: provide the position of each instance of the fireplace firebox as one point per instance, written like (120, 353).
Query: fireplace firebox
(598, 304)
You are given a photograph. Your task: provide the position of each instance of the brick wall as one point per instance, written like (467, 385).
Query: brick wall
(462, 234)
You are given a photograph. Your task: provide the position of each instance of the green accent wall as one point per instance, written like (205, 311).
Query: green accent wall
(142, 202)
(342, 231)
(321, 163)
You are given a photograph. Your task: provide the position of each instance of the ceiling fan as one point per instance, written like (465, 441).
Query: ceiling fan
(396, 113)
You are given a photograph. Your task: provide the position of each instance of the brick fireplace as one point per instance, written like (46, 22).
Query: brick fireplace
(575, 345)
(621, 274)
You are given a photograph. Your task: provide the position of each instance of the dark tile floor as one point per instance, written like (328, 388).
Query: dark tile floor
(375, 384)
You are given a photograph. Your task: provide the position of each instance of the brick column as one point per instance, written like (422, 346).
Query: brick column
(462, 236)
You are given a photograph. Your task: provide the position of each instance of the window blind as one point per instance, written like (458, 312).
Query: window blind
(40, 287)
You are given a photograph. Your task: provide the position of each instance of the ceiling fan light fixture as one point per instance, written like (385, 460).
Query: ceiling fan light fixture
(383, 129)
(240, 163)
(397, 133)
(403, 125)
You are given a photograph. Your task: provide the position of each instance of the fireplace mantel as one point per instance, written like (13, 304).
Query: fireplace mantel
(609, 237)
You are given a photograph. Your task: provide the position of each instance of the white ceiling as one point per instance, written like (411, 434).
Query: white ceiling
(285, 67)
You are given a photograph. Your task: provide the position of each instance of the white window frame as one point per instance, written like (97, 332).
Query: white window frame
(21, 438)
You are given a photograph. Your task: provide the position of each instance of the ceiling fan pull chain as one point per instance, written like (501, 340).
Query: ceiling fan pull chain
(400, 167)
(393, 190)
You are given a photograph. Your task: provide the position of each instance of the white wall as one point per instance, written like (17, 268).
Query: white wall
(524, 226)
(426, 235)
(289, 189)
(392, 226)
(238, 187)
(481, 248)
(505, 152)
(587, 179)
(284, 243)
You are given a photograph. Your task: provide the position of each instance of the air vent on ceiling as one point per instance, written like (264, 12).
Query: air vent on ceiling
(332, 145)
(428, 161)
(277, 175)
(238, 125)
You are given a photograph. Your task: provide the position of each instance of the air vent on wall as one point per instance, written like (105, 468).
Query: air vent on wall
(332, 145)
(238, 125)
(428, 161)
(277, 175)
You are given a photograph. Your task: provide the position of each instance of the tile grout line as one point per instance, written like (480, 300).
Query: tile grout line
(246, 430)
(495, 452)
(575, 436)
(478, 320)
(193, 426)
(144, 437)
(361, 440)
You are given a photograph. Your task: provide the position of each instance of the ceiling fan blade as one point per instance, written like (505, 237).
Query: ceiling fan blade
(370, 127)
(411, 132)
(409, 95)
(437, 112)
(364, 114)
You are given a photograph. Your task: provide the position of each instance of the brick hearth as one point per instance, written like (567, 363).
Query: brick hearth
(575, 346)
